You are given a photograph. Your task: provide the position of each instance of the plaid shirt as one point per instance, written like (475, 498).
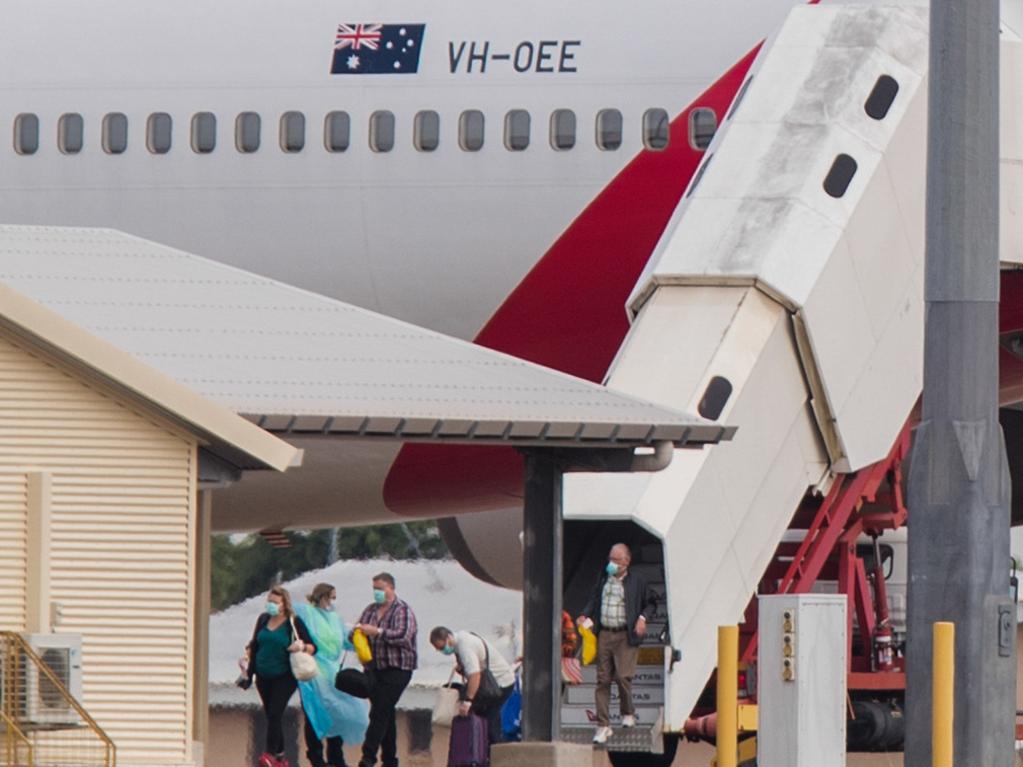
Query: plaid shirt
(395, 645)
(612, 606)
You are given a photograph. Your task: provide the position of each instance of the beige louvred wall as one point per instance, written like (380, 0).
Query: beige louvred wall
(122, 543)
(13, 556)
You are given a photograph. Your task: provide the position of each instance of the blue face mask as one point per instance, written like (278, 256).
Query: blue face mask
(379, 596)
(448, 649)
(611, 569)
(273, 609)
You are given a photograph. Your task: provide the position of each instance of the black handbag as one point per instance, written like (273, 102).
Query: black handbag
(358, 684)
(489, 691)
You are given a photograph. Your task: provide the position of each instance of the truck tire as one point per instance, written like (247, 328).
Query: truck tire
(640, 759)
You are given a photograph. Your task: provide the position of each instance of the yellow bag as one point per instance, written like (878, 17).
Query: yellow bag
(362, 650)
(589, 644)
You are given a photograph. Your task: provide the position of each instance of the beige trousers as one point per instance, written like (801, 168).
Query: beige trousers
(616, 660)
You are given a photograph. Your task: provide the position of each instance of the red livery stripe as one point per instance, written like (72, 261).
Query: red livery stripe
(568, 313)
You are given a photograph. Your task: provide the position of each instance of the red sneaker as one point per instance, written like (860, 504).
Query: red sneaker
(267, 760)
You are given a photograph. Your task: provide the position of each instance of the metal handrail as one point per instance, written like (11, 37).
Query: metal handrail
(17, 644)
(14, 733)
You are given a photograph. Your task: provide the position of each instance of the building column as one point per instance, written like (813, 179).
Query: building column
(541, 593)
(38, 612)
(201, 638)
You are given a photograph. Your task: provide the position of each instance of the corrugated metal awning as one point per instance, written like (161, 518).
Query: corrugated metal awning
(297, 362)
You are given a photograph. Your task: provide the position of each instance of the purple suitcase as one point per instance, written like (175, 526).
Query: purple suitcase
(468, 746)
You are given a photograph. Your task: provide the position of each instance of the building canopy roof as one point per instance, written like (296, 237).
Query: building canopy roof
(297, 362)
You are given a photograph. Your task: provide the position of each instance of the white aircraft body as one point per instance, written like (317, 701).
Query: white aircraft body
(504, 173)
(438, 237)
(493, 172)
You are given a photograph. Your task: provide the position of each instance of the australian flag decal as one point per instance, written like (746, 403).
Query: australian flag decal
(377, 49)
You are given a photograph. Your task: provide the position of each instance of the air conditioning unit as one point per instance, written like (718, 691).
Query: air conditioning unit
(40, 701)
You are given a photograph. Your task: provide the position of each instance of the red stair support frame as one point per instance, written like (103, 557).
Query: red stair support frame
(835, 527)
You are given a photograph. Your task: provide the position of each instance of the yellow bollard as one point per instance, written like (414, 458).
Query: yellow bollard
(943, 681)
(728, 696)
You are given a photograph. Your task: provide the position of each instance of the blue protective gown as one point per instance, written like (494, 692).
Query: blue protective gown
(330, 711)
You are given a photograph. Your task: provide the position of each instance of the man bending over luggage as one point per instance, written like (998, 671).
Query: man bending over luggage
(476, 658)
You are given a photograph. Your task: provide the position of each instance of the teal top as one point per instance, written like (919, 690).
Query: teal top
(272, 656)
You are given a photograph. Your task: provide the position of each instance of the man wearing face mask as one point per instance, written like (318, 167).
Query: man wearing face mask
(619, 608)
(390, 626)
(475, 656)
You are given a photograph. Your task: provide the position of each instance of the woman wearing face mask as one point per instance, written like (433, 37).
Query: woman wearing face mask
(278, 633)
(329, 713)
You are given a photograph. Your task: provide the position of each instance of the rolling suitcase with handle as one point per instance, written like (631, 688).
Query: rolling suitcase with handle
(469, 746)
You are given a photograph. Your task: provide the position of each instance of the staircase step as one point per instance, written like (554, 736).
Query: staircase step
(637, 739)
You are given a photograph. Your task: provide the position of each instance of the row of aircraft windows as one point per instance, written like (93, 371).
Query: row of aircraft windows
(426, 133)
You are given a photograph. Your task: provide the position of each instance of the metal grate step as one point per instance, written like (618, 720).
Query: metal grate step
(646, 739)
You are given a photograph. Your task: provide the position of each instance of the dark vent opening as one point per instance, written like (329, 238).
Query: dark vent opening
(699, 175)
(57, 661)
(881, 97)
(714, 399)
(739, 97)
(841, 174)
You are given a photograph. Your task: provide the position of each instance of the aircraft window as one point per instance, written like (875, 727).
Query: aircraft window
(26, 133)
(292, 131)
(562, 129)
(158, 132)
(381, 131)
(115, 133)
(337, 127)
(714, 398)
(70, 133)
(881, 97)
(703, 122)
(841, 174)
(516, 130)
(471, 130)
(655, 129)
(247, 126)
(609, 129)
(204, 132)
(426, 131)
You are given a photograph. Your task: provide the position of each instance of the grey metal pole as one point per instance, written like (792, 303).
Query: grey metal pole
(959, 480)
(542, 598)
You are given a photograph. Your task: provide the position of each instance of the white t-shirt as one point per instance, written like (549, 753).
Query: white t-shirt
(472, 655)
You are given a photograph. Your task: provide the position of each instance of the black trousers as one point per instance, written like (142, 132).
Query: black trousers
(382, 733)
(314, 748)
(492, 713)
(275, 693)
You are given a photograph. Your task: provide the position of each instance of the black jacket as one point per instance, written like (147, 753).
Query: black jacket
(638, 601)
(253, 646)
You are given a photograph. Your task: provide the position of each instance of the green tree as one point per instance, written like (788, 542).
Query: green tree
(246, 567)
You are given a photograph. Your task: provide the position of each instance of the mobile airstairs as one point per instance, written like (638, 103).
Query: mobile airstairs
(785, 298)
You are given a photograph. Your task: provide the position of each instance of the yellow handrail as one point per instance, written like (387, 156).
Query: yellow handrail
(15, 734)
(18, 648)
